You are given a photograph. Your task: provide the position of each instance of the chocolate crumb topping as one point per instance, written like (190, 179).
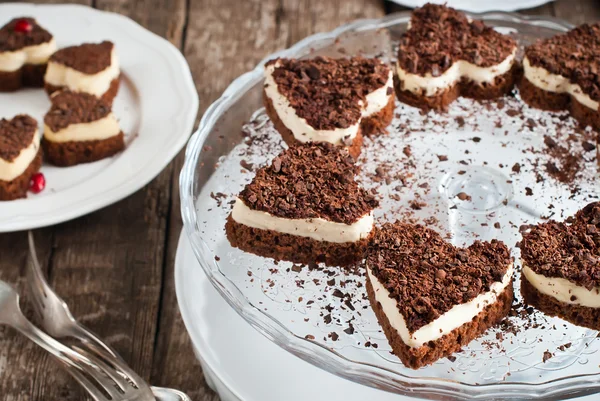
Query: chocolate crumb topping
(439, 36)
(574, 55)
(11, 40)
(307, 181)
(329, 93)
(15, 135)
(74, 108)
(566, 250)
(427, 275)
(89, 58)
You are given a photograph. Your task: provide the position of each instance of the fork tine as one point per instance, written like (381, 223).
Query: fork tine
(110, 371)
(93, 391)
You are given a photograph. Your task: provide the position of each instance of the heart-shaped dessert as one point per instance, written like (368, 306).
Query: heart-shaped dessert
(561, 267)
(24, 51)
(563, 73)
(329, 100)
(80, 128)
(305, 207)
(444, 55)
(430, 297)
(20, 155)
(89, 68)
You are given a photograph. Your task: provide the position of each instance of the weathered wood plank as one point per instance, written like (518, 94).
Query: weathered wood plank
(108, 265)
(225, 39)
(577, 11)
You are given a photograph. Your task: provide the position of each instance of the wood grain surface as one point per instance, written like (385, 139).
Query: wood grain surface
(115, 267)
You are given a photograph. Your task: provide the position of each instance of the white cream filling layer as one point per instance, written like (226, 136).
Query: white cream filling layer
(96, 84)
(315, 228)
(36, 54)
(101, 129)
(451, 320)
(429, 85)
(9, 170)
(562, 289)
(303, 131)
(541, 78)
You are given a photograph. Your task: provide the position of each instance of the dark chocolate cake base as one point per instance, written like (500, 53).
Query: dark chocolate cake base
(546, 100)
(272, 244)
(17, 188)
(64, 154)
(108, 96)
(427, 354)
(377, 123)
(30, 75)
(576, 314)
(287, 135)
(501, 86)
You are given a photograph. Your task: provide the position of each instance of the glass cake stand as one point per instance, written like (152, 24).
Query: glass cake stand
(482, 170)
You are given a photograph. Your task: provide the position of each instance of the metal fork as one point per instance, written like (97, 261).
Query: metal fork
(100, 380)
(58, 321)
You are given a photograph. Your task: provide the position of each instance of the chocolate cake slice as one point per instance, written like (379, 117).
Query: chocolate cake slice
(561, 268)
(563, 73)
(304, 207)
(24, 51)
(432, 298)
(89, 68)
(80, 128)
(329, 100)
(444, 55)
(20, 155)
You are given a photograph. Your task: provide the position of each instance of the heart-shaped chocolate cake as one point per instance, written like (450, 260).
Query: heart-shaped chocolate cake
(20, 155)
(329, 100)
(80, 128)
(430, 297)
(304, 207)
(87, 68)
(561, 267)
(25, 48)
(444, 55)
(563, 73)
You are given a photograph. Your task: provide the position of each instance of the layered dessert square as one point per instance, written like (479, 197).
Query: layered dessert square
(444, 55)
(20, 155)
(89, 68)
(562, 73)
(329, 100)
(305, 207)
(80, 128)
(561, 269)
(432, 298)
(25, 48)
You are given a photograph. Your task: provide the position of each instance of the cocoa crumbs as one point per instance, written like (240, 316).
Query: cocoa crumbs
(307, 181)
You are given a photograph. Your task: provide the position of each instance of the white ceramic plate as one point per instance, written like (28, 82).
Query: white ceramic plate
(479, 6)
(156, 105)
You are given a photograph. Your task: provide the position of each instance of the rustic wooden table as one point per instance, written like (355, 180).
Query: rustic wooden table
(115, 266)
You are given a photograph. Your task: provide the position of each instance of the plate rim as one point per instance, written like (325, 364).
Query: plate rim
(183, 83)
(309, 350)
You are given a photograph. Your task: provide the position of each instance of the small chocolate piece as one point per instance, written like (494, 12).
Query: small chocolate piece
(74, 108)
(12, 40)
(16, 134)
(88, 58)
(282, 189)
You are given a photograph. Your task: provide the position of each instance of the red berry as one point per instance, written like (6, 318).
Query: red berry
(38, 183)
(23, 26)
